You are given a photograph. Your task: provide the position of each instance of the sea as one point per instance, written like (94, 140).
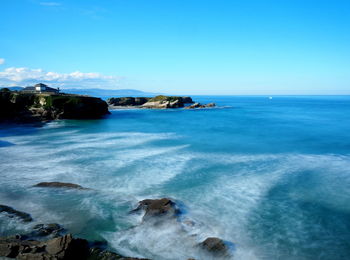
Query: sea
(268, 175)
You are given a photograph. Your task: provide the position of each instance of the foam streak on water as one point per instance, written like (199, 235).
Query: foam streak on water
(271, 176)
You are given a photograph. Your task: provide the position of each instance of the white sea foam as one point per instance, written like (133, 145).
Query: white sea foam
(126, 167)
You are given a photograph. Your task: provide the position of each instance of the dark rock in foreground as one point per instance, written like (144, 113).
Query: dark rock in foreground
(215, 246)
(64, 247)
(158, 207)
(15, 213)
(60, 248)
(99, 254)
(56, 184)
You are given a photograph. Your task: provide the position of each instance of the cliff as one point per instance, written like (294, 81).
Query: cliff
(29, 107)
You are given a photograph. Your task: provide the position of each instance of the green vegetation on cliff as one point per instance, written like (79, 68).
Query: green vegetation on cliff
(17, 106)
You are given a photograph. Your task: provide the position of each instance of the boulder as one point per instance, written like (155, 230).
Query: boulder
(215, 246)
(210, 105)
(157, 208)
(15, 213)
(56, 184)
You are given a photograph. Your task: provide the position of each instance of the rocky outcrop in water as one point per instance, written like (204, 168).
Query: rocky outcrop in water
(11, 212)
(36, 107)
(56, 184)
(158, 208)
(199, 105)
(159, 102)
(127, 101)
(167, 102)
(215, 246)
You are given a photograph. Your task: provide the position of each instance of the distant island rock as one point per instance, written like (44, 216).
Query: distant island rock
(158, 102)
(40, 105)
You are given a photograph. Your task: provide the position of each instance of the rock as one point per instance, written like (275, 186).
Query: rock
(98, 254)
(127, 101)
(158, 207)
(158, 102)
(195, 105)
(210, 105)
(60, 248)
(166, 102)
(56, 184)
(64, 247)
(214, 245)
(15, 213)
(43, 230)
(187, 100)
(199, 105)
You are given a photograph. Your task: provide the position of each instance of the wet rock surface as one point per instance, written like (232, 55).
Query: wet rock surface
(215, 246)
(60, 248)
(11, 212)
(56, 184)
(64, 247)
(157, 208)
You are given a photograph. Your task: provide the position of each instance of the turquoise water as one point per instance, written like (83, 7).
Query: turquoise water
(270, 175)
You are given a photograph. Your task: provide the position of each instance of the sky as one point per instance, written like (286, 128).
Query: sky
(223, 47)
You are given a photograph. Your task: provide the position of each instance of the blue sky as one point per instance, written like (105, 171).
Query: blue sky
(179, 46)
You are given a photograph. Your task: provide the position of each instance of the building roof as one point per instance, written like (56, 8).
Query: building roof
(40, 85)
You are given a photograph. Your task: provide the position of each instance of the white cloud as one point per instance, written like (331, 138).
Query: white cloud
(77, 79)
(50, 3)
(2, 61)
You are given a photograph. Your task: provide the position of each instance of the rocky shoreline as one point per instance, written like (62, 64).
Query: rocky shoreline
(52, 241)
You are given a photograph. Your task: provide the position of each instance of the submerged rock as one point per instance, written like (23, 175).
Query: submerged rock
(56, 184)
(15, 213)
(215, 246)
(158, 207)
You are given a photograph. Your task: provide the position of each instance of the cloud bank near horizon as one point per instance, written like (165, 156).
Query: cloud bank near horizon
(27, 76)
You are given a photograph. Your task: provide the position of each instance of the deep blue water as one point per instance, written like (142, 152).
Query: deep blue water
(270, 175)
